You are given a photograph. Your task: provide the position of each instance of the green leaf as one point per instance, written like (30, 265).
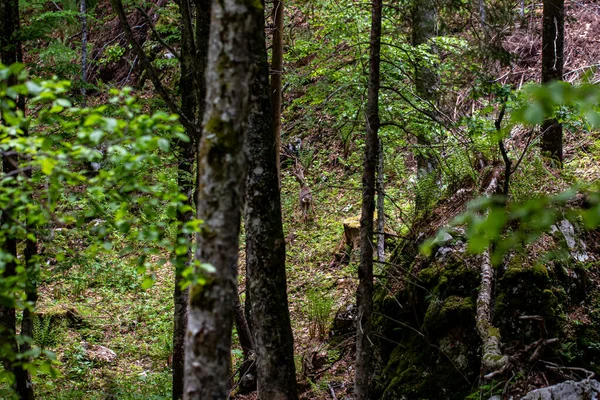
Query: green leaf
(33, 88)
(163, 144)
(63, 103)
(96, 136)
(148, 282)
(47, 165)
(181, 250)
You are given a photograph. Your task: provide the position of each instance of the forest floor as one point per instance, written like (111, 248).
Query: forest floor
(112, 309)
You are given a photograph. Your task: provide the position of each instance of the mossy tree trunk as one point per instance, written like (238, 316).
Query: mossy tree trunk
(222, 166)
(10, 53)
(492, 359)
(265, 242)
(364, 295)
(552, 70)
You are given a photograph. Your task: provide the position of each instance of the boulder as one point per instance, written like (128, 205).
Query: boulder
(568, 390)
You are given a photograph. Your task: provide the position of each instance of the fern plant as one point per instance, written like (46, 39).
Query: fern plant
(319, 308)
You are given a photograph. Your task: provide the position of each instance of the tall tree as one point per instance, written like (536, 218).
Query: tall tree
(277, 73)
(84, 54)
(265, 243)
(10, 53)
(424, 28)
(364, 295)
(553, 36)
(192, 86)
(222, 165)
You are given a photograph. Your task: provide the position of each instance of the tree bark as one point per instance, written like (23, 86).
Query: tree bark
(192, 86)
(265, 242)
(364, 295)
(248, 348)
(84, 37)
(424, 28)
(492, 358)
(277, 75)
(10, 53)
(552, 70)
(222, 163)
(380, 206)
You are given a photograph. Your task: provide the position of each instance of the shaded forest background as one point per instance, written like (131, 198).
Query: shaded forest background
(104, 314)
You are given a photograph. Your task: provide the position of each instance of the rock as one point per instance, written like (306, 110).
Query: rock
(344, 322)
(569, 390)
(98, 353)
(248, 383)
(576, 246)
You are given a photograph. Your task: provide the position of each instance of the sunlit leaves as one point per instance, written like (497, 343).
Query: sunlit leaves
(539, 102)
(96, 173)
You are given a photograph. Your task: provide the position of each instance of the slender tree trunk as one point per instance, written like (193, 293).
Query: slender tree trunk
(192, 85)
(365, 270)
(32, 269)
(222, 165)
(277, 75)
(426, 84)
(552, 70)
(248, 367)
(483, 20)
(84, 40)
(380, 206)
(265, 243)
(10, 53)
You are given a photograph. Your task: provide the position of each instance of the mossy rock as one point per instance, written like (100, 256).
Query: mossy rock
(454, 313)
(527, 290)
(454, 277)
(418, 370)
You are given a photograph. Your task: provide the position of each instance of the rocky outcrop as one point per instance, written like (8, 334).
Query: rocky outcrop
(569, 390)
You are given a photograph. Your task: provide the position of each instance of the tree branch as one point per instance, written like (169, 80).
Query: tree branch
(158, 37)
(152, 74)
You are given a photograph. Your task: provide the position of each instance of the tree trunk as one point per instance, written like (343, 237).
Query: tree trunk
(424, 28)
(364, 295)
(265, 243)
(277, 75)
(552, 70)
(248, 367)
(222, 163)
(192, 86)
(492, 358)
(84, 36)
(483, 20)
(10, 53)
(380, 206)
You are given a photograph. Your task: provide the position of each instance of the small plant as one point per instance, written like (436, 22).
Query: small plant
(47, 329)
(319, 308)
(112, 53)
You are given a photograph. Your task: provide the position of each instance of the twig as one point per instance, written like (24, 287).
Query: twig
(157, 35)
(555, 367)
(333, 396)
(158, 86)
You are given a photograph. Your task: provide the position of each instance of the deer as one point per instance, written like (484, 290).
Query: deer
(307, 207)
